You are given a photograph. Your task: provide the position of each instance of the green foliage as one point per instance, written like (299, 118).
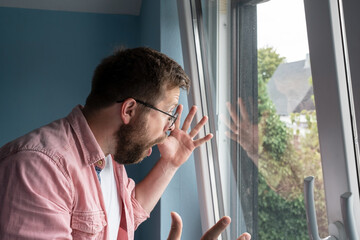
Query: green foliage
(286, 157)
(280, 219)
(268, 61)
(264, 102)
(276, 138)
(275, 134)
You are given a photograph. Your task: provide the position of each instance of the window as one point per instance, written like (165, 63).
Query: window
(271, 105)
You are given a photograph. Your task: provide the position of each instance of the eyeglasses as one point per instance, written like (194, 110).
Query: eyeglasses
(172, 118)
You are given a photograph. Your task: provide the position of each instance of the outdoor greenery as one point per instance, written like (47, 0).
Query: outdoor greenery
(286, 157)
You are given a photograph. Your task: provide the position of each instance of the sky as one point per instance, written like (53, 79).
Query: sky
(281, 25)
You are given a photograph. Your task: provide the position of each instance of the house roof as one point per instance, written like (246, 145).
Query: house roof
(290, 89)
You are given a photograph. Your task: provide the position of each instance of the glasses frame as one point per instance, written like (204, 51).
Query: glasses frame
(173, 117)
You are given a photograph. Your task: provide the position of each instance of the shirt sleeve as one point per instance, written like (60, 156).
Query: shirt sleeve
(35, 197)
(139, 213)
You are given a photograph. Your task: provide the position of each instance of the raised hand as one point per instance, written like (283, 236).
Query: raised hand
(212, 234)
(175, 150)
(179, 145)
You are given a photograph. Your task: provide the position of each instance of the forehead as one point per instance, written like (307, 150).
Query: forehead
(170, 97)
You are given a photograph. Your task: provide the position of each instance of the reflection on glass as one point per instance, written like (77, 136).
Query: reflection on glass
(266, 129)
(288, 138)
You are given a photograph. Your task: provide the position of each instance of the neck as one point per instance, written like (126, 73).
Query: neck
(103, 124)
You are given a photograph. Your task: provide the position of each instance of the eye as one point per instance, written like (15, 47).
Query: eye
(173, 112)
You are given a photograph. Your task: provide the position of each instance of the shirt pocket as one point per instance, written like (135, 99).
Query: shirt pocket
(88, 225)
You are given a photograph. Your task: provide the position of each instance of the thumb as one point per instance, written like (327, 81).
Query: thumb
(176, 227)
(244, 236)
(215, 231)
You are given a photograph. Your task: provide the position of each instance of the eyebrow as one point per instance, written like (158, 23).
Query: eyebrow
(173, 106)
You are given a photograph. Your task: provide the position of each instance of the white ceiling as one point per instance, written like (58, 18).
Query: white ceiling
(131, 7)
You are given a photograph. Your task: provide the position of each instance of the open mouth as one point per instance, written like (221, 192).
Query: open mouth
(158, 141)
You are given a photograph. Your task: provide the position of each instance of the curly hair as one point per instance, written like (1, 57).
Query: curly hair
(140, 73)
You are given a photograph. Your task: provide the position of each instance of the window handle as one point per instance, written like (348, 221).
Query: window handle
(311, 213)
(347, 215)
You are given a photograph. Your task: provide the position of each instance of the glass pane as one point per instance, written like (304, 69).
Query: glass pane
(289, 147)
(258, 67)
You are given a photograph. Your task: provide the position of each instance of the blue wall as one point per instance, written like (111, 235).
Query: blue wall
(47, 59)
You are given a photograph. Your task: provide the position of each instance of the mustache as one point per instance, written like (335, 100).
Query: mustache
(157, 141)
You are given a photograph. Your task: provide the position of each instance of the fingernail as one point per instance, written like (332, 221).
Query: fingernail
(226, 221)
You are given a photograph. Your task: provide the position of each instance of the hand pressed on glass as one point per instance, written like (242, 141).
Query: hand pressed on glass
(242, 130)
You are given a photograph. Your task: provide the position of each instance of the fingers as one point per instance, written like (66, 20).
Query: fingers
(231, 125)
(176, 227)
(243, 112)
(189, 118)
(187, 122)
(232, 136)
(244, 236)
(200, 141)
(179, 110)
(232, 112)
(198, 127)
(214, 232)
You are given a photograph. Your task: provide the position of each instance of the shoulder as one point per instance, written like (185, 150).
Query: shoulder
(49, 140)
(43, 148)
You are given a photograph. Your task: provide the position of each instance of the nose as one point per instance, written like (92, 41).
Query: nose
(171, 128)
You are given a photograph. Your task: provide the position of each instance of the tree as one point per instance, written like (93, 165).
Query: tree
(268, 61)
(285, 158)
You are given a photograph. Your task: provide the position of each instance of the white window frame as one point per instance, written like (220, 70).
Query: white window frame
(352, 33)
(335, 63)
(211, 204)
(333, 103)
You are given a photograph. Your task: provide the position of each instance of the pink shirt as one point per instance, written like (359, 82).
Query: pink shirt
(50, 190)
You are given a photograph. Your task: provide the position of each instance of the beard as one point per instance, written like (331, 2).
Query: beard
(133, 142)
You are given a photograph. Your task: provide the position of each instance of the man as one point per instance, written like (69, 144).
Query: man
(67, 180)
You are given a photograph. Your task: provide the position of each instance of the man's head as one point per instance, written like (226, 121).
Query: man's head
(141, 81)
(139, 73)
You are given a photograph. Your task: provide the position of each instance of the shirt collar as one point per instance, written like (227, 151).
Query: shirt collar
(89, 146)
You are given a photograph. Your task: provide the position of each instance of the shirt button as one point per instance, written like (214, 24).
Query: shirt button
(100, 162)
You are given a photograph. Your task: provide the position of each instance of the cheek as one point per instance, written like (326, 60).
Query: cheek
(158, 126)
(156, 131)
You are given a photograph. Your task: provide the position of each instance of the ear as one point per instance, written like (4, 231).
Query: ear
(127, 110)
